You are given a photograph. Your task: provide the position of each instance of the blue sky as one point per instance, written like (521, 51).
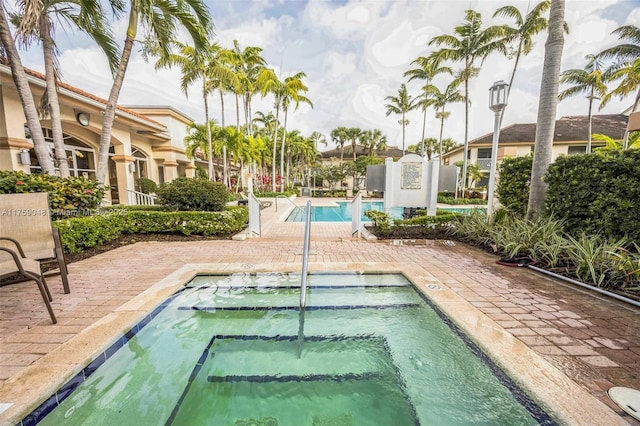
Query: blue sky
(354, 54)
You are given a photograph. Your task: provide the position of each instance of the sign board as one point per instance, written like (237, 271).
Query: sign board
(411, 182)
(375, 178)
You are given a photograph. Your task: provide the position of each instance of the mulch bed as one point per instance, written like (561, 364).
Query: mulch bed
(136, 238)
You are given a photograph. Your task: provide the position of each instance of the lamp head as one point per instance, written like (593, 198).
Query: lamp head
(498, 96)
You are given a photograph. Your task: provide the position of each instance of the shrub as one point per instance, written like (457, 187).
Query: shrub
(381, 221)
(64, 194)
(596, 195)
(186, 194)
(450, 199)
(146, 186)
(513, 186)
(274, 194)
(440, 218)
(81, 233)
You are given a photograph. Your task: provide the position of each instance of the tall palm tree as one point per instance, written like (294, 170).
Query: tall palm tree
(247, 63)
(354, 134)
(401, 104)
(339, 137)
(547, 107)
(36, 21)
(519, 38)
(198, 64)
(468, 44)
(206, 140)
(24, 93)
(373, 141)
(439, 100)
(427, 69)
(268, 82)
(318, 138)
(626, 67)
(292, 90)
(587, 81)
(160, 19)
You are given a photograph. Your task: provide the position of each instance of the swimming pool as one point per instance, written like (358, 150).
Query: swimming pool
(236, 349)
(342, 212)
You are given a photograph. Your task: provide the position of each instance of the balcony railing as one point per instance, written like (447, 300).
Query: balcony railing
(136, 198)
(484, 163)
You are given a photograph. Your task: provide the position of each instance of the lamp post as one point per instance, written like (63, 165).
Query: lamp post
(497, 102)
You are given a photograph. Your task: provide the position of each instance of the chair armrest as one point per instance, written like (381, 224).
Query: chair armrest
(16, 243)
(16, 259)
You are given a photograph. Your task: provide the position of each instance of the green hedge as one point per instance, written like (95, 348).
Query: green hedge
(189, 194)
(512, 189)
(424, 220)
(450, 199)
(596, 194)
(81, 233)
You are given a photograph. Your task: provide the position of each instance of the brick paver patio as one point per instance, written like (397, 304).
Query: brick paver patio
(591, 339)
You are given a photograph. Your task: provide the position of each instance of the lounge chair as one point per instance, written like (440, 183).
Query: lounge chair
(16, 267)
(26, 218)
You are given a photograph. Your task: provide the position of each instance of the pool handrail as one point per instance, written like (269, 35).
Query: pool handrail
(286, 198)
(305, 257)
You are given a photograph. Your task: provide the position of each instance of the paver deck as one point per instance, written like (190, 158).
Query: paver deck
(591, 339)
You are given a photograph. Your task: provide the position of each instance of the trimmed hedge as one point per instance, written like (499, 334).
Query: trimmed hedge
(81, 233)
(423, 220)
(513, 185)
(596, 194)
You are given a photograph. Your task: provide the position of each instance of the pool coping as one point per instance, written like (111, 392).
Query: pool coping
(547, 385)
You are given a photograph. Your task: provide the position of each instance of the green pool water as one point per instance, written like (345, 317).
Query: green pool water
(237, 350)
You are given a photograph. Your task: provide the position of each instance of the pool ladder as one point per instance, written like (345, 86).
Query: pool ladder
(305, 256)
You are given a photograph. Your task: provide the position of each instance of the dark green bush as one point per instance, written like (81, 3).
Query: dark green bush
(450, 199)
(64, 194)
(81, 233)
(275, 194)
(146, 186)
(512, 189)
(424, 220)
(186, 194)
(595, 194)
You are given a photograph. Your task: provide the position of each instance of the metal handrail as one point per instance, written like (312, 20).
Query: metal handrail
(286, 198)
(305, 257)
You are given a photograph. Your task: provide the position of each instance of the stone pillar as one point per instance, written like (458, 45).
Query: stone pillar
(170, 170)
(125, 176)
(190, 170)
(10, 149)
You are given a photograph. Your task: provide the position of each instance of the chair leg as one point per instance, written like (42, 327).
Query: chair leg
(62, 264)
(44, 291)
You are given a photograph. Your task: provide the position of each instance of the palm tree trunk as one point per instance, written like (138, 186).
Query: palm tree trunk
(441, 129)
(284, 138)
(275, 147)
(53, 106)
(403, 126)
(110, 108)
(222, 110)
(424, 127)
(547, 107)
(590, 118)
(26, 97)
(237, 113)
(208, 126)
(466, 135)
(341, 153)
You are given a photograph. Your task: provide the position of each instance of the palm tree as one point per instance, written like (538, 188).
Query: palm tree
(468, 44)
(626, 68)
(373, 141)
(523, 32)
(354, 134)
(160, 19)
(400, 104)
(198, 64)
(268, 82)
(35, 21)
(439, 100)
(339, 137)
(318, 138)
(291, 92)
(547, 106)
(426, 70)
(207, 140)
(247, 63)
(24, 92)
(613, 145)
(588, 80)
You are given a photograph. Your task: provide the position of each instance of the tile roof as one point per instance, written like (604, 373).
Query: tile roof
(87, 95)
(568, 129)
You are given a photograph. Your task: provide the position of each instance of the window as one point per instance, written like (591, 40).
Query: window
(574, 150)
(80, 156)
(141, 163)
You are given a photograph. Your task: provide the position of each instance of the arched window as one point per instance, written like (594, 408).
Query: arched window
(80, 156)
(141, 162)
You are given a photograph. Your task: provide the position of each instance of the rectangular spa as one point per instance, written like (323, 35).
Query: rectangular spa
(369, 349)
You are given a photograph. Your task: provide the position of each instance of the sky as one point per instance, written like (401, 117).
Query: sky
(354, 53)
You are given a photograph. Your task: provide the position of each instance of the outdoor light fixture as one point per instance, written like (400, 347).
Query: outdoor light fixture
(24, 158)
(83, 119)
(132, 167)
(497, 102)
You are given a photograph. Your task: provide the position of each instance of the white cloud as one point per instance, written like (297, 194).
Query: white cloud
(355, 53)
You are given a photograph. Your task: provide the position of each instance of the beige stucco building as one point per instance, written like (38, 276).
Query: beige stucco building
(570, 137)
(146, 141)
